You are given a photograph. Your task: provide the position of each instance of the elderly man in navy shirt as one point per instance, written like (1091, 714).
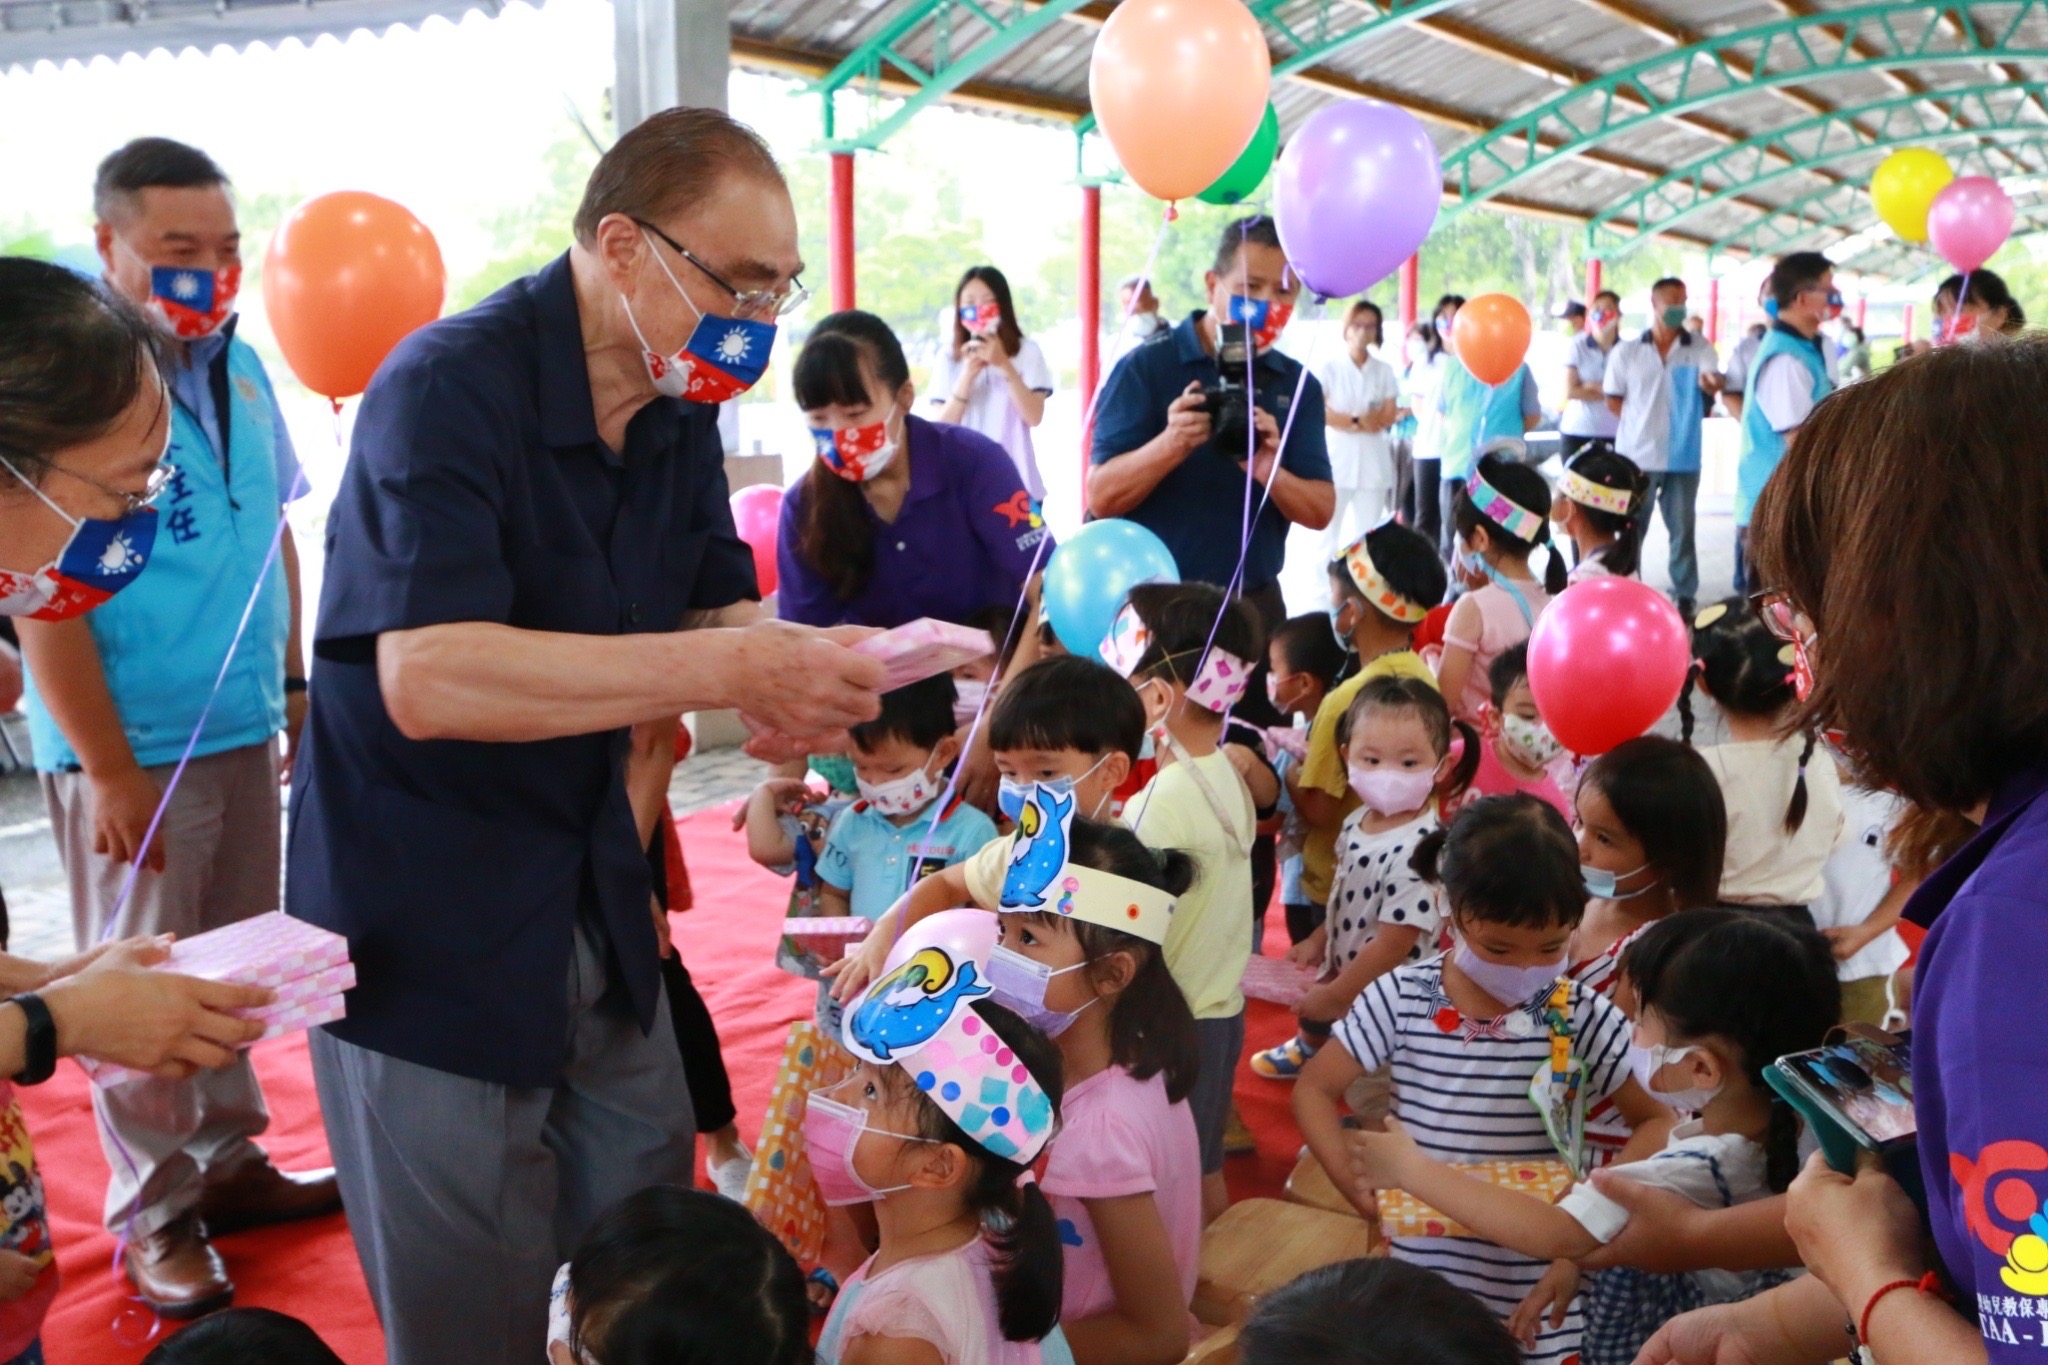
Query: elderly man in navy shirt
(530, 525)
(1154, 462)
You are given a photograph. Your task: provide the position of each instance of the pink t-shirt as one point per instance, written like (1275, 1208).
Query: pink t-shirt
(948, 1299)
(1501, 628)
(1493, 779)
(1120, 1136)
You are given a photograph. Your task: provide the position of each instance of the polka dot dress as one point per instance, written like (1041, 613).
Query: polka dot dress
(1374, 886)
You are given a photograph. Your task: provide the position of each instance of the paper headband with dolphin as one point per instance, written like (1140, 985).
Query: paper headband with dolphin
(1040, 876)
(918, 1015)
(1219, 681)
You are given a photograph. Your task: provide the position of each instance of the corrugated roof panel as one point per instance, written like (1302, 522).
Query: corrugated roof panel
(63, 30)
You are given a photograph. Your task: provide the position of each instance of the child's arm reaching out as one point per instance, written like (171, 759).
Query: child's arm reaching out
(1387, 950)
(945, 889)
(880, 1350)
(1505, 1217)
(1318, 1095)
(768, 843)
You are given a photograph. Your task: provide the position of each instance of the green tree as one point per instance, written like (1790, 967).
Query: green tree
(527, 236)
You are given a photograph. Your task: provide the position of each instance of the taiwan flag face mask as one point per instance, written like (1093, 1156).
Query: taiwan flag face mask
(1265, 320)
(100, 559)
(855, 454)
(980, 321)
(191, 304)
(723, 357)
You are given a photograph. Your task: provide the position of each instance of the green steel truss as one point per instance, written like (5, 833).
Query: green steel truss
(1800, 50)
(2004, 109)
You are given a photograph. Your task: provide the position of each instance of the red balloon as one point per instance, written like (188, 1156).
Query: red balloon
(1606, 661)
(348, 274)
(756, 515)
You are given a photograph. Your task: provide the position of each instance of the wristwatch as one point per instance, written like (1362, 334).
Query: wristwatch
(41, 1043)
(292, 685)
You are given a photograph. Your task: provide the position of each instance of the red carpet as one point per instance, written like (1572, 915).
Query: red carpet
(310, 1269)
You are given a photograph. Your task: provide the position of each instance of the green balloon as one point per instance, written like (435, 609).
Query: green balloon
(1248, 172)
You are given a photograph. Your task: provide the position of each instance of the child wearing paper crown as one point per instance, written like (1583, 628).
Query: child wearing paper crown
(1188, 652)
(1599, 507)
(954, 1098)
(1477, 1034)
(1502, 515)
(1124, 1173)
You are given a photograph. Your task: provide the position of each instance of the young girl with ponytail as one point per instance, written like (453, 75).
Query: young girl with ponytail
(1125, 1171)
(1599, 508)
(1502, 515)
(1780, 790)
(1722, 995)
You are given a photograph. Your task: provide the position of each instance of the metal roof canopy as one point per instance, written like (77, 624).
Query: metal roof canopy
(1737, 126)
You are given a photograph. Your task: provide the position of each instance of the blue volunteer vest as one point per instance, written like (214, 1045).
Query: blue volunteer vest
(1474, 414)
(162, 639)
(1685, 402)
(1762, 447)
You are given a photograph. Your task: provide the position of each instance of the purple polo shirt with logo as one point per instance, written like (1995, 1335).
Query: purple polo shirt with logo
(962, 543)
(1980, 1067)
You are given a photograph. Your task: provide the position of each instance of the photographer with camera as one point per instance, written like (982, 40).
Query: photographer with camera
(1176, 418)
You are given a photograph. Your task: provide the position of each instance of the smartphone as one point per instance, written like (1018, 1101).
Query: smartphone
(1856, 1093)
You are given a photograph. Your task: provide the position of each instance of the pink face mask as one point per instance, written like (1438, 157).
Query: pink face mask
(980, 321)
(832, 1131)
(1390, 791)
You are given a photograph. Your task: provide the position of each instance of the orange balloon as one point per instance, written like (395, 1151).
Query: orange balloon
(1491, 333)
(1179, 87)
(347, 276)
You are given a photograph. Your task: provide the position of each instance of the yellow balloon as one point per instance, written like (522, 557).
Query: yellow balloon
(1905, 185)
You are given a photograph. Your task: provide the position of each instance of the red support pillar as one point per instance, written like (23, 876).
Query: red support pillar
(1091, 317)
(839, 239)
(1411, 286)
(1592, 281)
(1862, 310)
(1714, 311)
(1907, 329)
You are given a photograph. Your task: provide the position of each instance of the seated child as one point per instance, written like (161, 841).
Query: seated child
(1599, 507)
(968, 1260)
(1722, 994)
(1858, 909)
(244, 1336)
(1377, 1311)
(1520, 754)
(670, 1275)
(1397, 741)
(1382, 586)
(1303, 660)
(1124, 1171)
(1501, 516)
(1782, 794)
(1467, 1034)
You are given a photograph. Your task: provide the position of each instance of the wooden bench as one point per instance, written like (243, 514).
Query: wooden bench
(1310, 1184)
(1260, 1244)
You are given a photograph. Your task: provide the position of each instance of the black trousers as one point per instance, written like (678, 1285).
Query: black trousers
(1424, 513)
(696, 1035)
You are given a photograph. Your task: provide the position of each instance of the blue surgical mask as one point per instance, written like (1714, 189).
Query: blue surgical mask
(1601, 884)
(1012, 792)
(1344, 640)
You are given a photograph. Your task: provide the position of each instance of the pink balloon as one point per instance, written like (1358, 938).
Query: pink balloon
(756, 513)
(1606, 661)
(1969, 220)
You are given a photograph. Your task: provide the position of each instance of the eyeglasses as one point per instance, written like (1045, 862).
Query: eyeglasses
(1774, 608)
(159, 479)
(750, 303)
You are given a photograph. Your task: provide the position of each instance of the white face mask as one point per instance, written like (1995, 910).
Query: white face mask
(1646, 1062)
(1530, 740)
(904, 796)
(967, 697)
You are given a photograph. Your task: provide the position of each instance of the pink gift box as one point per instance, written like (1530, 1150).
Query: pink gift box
(266, 950)
(280, 1019)
(923, 648)
(827, 926)
(1278, 980)
(293, 994)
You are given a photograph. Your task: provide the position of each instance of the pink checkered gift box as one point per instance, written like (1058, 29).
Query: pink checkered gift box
(267, 950)
(922, 648)
(1276, 979)
(279, 1019)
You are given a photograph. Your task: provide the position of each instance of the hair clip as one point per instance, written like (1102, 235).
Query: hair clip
(1709, 614)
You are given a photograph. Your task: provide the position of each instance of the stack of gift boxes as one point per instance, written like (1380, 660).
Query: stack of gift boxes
(306, 965)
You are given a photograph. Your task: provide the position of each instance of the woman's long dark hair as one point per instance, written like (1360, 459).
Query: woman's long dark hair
(1759, 983)
(1011, 335)
(1666, 797)
(1151, 1029)
(836, 536)
(1987, 287)
(1610, 470)
(1528, 490)
(1745, 670)
(1017, 1218)
(74, 356)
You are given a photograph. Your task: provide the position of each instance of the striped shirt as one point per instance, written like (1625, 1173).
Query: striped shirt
(1461, 1088)
(1607, 1132)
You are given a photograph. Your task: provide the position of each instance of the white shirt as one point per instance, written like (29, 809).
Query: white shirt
(1858, 876)
(1643, 379)
(1582, 418)
(1764, 863)
(990, 409)
(1423, 382)
(1358, 459)
(1738, 361)
(1783, 388)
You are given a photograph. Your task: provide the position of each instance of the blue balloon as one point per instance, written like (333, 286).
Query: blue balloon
(1091, 572)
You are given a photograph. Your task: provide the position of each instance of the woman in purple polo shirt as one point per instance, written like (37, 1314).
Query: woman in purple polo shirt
(1903, 536)
(898, 517)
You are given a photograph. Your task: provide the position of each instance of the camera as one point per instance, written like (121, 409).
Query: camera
(1229, 403)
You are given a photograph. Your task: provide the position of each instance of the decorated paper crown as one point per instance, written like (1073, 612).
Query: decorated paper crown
(1365, 575)
(1597, 496)
(1219, 680)
(1517, 520)
(918, 1015)
(1041, 878)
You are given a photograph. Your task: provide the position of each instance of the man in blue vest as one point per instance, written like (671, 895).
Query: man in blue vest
(1792, 372)
(116, 696)
(1471, 413)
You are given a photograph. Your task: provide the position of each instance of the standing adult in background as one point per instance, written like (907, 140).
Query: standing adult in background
(1587, 419)
(532, 525)
(1137, 311)
(1855, 361)
(1473, 414)
(1988, 309)
(114, 699)
(1658, 386)
(1428, 362)
(1153, 458)
(1735, 378)
(993, 379)
(1792, 371)
(1360, 397)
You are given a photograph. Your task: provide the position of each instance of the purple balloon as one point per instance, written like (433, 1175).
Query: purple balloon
(1968, 221)
(1357, 191)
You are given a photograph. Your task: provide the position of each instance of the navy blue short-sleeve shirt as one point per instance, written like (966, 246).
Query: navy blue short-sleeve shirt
(1198, 508)
(477, 489)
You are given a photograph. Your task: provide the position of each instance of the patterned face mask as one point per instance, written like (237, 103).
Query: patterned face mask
(722, 358)
(100, 559)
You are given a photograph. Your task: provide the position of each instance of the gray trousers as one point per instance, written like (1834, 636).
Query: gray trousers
(167, 1140)
(465, 1195)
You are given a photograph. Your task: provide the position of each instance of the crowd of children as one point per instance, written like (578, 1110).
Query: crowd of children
(1479, 910)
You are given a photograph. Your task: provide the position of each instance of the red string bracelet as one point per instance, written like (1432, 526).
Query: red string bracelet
(1929, 1283)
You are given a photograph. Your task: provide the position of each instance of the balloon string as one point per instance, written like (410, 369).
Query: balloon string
(1955, 314)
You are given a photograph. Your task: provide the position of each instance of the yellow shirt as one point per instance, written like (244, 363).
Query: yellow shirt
(1323, 769)
(1210, 939)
